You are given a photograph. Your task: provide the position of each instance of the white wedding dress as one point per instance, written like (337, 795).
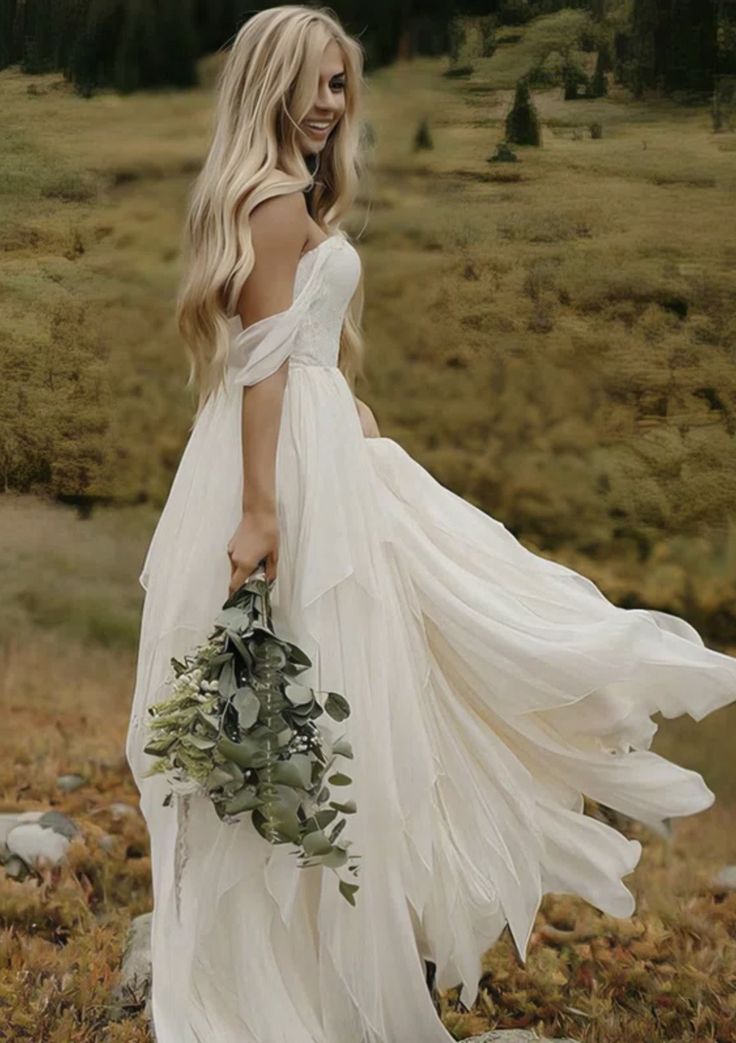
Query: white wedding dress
(490, 689)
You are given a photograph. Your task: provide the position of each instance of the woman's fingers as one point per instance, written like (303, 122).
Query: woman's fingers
(239, 575)
(241, 572)
(271, 564)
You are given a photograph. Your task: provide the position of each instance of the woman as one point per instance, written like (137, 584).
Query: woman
(491, 688)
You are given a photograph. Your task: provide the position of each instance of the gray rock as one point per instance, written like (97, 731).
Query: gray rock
(725, 879)
(59, 823)
(134, 984)
(30, 841)
(108, 842)
(10, 819)
(47, 837)
(70, 782)
(16, 868)
(120, 810)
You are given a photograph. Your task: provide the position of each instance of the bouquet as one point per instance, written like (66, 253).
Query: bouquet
(240, 729)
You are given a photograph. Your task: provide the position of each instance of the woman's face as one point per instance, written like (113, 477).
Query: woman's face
(328, 104)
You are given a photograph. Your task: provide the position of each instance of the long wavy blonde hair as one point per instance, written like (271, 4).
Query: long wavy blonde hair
(265, 89)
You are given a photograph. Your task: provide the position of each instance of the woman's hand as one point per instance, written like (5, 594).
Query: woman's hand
(256, 537)
(367, 420)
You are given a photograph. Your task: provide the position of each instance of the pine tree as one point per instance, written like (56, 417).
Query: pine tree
(522, 123)
(7, 20)
(598, 86)
(674, 44)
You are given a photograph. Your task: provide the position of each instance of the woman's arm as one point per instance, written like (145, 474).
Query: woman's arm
(279, 229)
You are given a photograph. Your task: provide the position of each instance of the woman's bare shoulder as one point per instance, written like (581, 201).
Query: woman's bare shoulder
(279, 228)
(280, 223)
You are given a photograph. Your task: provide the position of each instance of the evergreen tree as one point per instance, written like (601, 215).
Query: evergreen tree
(522, 123)
(598, 86)
(573, 77)
(7, 20)
(674, 44)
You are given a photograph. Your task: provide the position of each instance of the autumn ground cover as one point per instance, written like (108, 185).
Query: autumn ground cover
(552, 338)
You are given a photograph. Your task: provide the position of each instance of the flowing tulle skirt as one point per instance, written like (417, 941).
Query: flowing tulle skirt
(490, 688)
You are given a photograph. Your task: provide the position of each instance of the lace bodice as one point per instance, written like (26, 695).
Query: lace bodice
(308, 332)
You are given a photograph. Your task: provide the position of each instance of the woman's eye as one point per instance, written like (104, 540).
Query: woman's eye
(338, 85)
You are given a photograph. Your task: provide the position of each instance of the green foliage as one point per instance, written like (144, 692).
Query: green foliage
(522, 123)
(573, 78)
(547, 72)
(504, 154)
(598, 85)
(240, 728)
(515, 12)
(671, 47)
(7, 19)
(133, 44)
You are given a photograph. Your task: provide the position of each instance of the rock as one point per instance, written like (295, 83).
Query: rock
(59, 823)
(47, 837)
(108, 842)
(30, 841)
(134, 985)
(121, 810)
(724, 880)
(16, 868)
(67, 783)
(10, 819)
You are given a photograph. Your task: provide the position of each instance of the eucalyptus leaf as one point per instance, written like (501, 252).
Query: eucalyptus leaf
(237, 641)
(245, 800)
(294, 772)
(338, 779)
(348, 808)
(248, 706)
(299, 694)
(337, 706)
(333, 859)
(227, 682)
(231, 617)
(347, 890)
(218, 777)
(222, 657)
(246, 754)
(325, 817)
(342, 747)
(335, 833)
(316, 843)
(287, 822)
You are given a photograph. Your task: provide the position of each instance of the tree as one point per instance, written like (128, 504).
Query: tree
(7, 21)
(674, 45)
(598, 86)
(522, 123)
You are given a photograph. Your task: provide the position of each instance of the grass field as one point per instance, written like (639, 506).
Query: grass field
(554, 339)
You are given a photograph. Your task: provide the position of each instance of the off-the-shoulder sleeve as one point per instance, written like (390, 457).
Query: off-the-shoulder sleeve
(258, 350)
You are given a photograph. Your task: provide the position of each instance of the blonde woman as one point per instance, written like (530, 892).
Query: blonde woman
(491, 688)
